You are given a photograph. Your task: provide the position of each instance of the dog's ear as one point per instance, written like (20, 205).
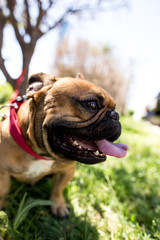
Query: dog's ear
(80, 75)
(39, 80)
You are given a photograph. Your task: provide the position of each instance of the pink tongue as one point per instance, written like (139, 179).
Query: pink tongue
(112, 149)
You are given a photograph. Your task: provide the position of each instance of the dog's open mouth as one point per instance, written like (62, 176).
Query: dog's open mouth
(86, 151)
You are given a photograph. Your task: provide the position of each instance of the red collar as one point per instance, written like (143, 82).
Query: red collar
(16, 132)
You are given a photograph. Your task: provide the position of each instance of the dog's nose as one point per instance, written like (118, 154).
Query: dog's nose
(112, 114)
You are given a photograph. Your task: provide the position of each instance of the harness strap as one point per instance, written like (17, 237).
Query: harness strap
(16, 132)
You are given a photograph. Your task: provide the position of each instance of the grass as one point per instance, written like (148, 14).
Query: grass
(118, 199)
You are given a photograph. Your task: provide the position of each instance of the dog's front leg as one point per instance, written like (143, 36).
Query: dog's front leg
(4, 187)
(61, 208)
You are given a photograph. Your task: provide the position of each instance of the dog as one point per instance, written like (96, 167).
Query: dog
(63, 121)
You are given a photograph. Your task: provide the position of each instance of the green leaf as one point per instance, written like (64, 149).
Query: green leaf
(3, 220)
(21, 204)
(24, 209)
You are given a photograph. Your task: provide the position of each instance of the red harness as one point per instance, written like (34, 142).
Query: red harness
(14, 127)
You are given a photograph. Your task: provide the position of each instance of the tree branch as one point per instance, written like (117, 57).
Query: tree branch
(51, 3)
(42, 13)
(3, 20)
(11, 17)
(61, 19)
(28, 27)
(5, 72)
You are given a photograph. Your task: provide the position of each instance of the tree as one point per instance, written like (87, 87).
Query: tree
(98, 65)
(32, 19)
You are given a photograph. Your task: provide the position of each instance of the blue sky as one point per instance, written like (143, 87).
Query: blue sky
(135, 35)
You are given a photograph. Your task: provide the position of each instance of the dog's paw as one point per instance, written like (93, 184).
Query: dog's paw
(60, 210)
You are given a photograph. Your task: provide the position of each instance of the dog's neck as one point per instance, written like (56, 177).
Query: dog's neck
(27, 122)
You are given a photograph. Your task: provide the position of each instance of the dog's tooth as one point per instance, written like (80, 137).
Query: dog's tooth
(79, 147)
(96, 153)
(102, 155)
(75, 143)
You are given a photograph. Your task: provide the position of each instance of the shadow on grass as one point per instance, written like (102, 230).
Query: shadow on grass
(140, 198)
(40, 224)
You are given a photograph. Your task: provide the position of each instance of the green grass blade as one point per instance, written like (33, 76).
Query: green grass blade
(22, 203)
(23, 212)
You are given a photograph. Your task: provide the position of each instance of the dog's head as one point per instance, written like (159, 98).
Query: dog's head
(74, 117)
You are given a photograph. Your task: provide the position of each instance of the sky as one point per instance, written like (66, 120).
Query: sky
(133, 32)
(135, 35)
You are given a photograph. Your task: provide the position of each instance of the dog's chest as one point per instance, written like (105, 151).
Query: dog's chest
(38, 168)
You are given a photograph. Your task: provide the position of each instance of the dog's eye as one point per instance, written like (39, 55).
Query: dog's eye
(92, 105)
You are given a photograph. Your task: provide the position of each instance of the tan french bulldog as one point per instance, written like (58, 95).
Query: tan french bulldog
(64, 120)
